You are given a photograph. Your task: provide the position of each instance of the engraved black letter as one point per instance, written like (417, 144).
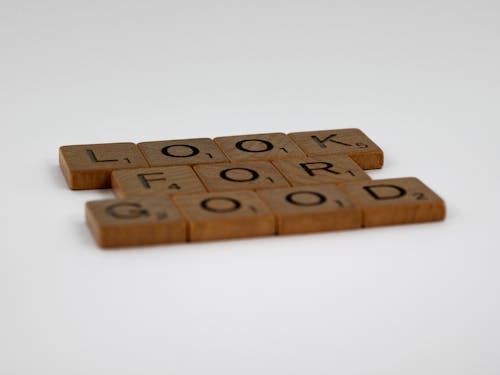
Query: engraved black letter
(235, 205)
(145, 181)
(268, 145)
(194, 151)
(325, 167)
(253, 175)
(92, 157)
(400, 192)
(133, 212)
(320, 198)
(321, 142)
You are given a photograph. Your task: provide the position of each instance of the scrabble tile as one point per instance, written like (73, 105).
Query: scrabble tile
(320, 170)
(315, 208)
(90, 166)
(350, 142)
(182, 152)
(395, 201)
(239, 176)
(135, 221)
(156, 181)
(224, 215)
(259, 147)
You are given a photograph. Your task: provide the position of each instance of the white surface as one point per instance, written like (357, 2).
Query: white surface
(420, 77)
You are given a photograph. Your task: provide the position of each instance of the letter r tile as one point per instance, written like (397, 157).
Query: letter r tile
(320, 170)
(395, 201)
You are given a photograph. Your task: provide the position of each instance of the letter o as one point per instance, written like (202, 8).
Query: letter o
(268, 145)
(135, 210)
(290, 198)
(253, 175)
(194, 151)
(236, 205)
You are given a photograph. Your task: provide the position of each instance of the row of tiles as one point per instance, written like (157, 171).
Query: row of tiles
(235, 214)
(90, 166)
(249, 175)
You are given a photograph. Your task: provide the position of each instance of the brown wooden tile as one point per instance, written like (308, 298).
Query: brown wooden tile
(351, 142)
(90, 166)
(395, 201)
(320, 170)
(135, 221)
(182, 152)
(156, 181)
(314, 208)
(259, 147)
(224, 215)
(239, 176)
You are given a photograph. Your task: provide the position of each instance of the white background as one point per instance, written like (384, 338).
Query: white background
(419, 77)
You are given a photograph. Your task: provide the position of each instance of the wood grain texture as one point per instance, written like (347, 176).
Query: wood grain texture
(225, 215)
(316, 208)
(268, 146)
(249, 175)
(182, 152)
(135, 221)
(90, 166)
(395, 201)
(156, 181)
(350, 142)
(320, 170)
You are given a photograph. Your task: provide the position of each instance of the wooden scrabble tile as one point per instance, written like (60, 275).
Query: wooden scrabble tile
(259, 147)
(239, 176)
(395, 201)
(351, 142)
(156, 181)
(223, 215)
(314, 208)
(135, 221)
(90, 166)
(182, 152)
(320, 170)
